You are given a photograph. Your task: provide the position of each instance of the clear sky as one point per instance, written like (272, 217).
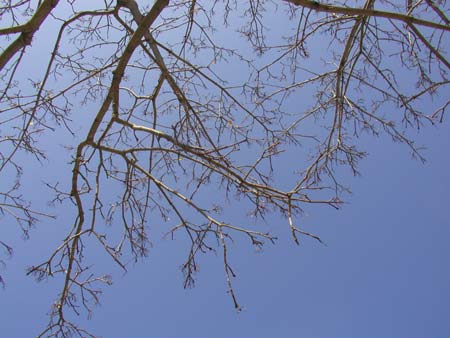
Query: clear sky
(384, 272)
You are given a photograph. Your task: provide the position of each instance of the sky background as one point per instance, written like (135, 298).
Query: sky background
(384, 272)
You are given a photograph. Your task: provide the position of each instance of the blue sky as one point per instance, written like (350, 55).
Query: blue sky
(383, 273)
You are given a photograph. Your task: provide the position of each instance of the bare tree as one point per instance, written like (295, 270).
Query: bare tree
(169, 122)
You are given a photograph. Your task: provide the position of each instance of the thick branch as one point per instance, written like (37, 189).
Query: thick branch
(314, 5)
(27, 31)
(135, 40)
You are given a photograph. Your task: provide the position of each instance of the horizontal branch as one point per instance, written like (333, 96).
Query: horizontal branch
(315, 5)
